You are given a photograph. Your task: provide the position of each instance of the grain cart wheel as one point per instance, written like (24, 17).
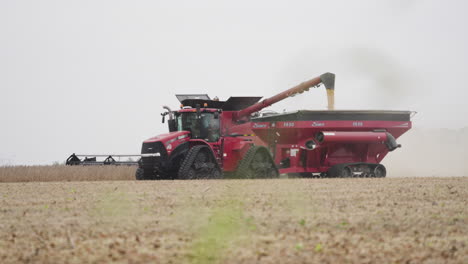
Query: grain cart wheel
(199, 163)
(257, 163)
(340, 171)
(380, 171)
(346, 172)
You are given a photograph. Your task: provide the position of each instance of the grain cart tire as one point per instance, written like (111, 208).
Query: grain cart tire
(199, 163)
(340, 171)
(346, 172)
(257, 163)
(380, 171)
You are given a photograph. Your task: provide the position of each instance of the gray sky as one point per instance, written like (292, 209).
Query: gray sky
(91, 76)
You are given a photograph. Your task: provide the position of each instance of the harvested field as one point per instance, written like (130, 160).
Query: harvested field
(66, 173)
(393, 220)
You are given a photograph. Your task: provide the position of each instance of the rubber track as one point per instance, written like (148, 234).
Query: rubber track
(142, 175)
(190, 158)
(334, 171)
(188, 161)
(243, 168)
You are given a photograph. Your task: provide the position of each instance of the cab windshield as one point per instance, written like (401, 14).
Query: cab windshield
(207, 127)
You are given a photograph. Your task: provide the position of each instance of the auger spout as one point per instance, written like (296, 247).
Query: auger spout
(327, 79)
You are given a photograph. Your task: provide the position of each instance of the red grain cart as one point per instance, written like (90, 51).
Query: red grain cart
(332, 143)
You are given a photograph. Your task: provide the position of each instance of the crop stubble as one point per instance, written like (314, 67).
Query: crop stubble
(66, 173)
(393, 220)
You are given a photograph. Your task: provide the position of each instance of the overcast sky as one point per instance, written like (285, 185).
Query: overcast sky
(91, 76)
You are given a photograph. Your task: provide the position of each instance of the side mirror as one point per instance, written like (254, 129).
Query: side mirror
(163, 118)
(172, 125)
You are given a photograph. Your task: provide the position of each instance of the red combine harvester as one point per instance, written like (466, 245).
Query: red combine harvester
(213, 139)
(209, 138)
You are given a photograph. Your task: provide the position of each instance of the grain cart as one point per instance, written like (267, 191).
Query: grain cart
(212, 139)
(332, 143)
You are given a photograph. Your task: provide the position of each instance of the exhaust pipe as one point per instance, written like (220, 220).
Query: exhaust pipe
(171, 115)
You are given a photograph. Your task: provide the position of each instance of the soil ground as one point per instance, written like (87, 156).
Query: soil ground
(392, 220)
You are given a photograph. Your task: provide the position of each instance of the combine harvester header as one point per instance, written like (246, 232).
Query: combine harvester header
(85, 160)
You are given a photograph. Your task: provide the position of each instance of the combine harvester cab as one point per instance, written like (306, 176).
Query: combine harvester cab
(332, 143)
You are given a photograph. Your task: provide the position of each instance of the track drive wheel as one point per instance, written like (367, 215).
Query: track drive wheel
(346, 172)
(199, 163)
(380, 171)
(142, 175)
(257, 163)
(340, 171)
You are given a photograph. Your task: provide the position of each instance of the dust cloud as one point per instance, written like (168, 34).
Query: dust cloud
(430, 152)
(425, 151)
(388, 80)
